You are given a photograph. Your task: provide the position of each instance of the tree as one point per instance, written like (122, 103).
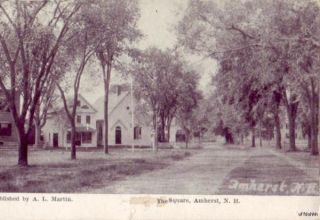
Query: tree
(47, 99)
(237, 79)
(29, 46)
(115, 21)
(80, 47)
(163, 81)
(300, 23)
(275, 40)
(148, 68)
(226, 120)
(187, 115)
(180, 83)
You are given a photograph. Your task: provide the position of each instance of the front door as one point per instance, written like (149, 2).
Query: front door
(55, 140)
(118, 135)
(100, 134)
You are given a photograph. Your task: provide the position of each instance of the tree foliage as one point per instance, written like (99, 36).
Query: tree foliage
(268, 53)
(167, 85)
(29, 46)
(115, 24)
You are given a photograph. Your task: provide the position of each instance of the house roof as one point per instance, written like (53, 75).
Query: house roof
(88, 103)
(59, 105)
(113, 100)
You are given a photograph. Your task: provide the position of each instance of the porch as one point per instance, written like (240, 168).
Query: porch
(84, 136)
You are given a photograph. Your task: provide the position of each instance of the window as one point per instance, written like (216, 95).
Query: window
(68, 137)
(77, 138)
(86, 137)
(85, 107)
(128, 107)
(5, 129)
(78, 103)
(88, 119)
(79, 119)
(137, 132)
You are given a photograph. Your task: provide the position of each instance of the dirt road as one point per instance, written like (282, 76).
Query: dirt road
(219, 169)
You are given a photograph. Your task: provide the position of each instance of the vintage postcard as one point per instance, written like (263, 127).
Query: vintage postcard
(159, 109)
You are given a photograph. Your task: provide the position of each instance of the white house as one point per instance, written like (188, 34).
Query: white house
(121, 129)
(57, 133)
(8, 133)
(124, 129)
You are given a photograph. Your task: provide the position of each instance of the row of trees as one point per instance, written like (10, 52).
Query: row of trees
(169, 89)
(47, 44)
(268, 54)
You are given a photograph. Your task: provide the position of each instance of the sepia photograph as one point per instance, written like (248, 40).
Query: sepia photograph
(160, 97)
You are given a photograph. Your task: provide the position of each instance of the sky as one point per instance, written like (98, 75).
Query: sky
(157, 21)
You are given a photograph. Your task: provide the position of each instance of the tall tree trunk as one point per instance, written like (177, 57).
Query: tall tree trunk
(226, 137)
(309, 137)
(260, 134)
(23, 146)
(106, 107)
(37, 134)
(155, 127)
(73, 142)
(168, 132)
(162, 131)
(291, 108)
(230, 138)
(37, 127)
(106, 121)
(253, 137)
(168, 128)
(277, 129)
(314, 122)
(292, 132)
(292, 114)
(187, 139)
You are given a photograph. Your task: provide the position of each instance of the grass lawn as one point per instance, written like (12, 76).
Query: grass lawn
(54, 172)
